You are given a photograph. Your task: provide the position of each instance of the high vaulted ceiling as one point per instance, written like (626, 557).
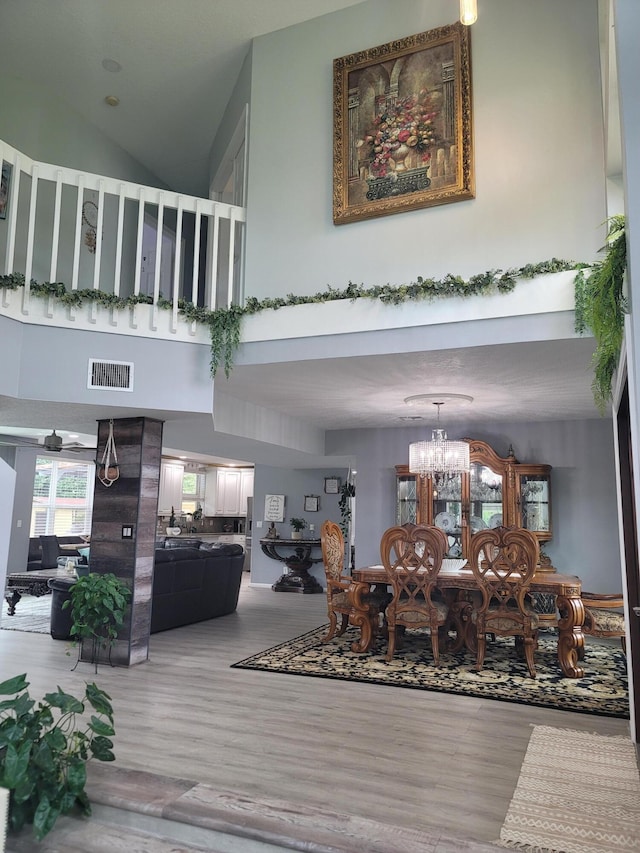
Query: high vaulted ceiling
(177, 58)
(179, 64)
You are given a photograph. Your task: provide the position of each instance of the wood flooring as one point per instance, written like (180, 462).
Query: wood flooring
(428, 762)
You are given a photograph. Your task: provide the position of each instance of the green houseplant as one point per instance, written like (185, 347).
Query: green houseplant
(98, 603)
(297, 525)
(44, 748)
(600, 307)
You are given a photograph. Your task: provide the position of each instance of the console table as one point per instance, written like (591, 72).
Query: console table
(296, 555)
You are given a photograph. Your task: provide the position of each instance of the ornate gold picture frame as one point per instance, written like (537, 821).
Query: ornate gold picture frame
(402, 125)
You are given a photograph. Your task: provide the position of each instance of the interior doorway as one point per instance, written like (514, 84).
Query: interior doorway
(630, 543)
(167, 258)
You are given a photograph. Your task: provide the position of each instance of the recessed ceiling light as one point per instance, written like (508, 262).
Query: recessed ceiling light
(112, 100)
(111, 65)
(73, 435)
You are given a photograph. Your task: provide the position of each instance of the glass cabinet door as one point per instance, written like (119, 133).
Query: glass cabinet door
(486, 498)
(535, 504)
(447, 510)
(407, 500)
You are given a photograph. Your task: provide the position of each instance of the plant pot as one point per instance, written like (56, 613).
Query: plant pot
(296, 534)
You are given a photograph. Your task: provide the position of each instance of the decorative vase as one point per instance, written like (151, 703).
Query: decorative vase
(399, 156)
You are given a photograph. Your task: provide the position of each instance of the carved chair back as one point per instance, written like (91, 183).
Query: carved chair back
(503, 561)
(412, 557)
(332, 543)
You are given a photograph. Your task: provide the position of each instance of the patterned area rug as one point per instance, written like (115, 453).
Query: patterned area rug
(32, 614)
(602, 691)
(577, 793)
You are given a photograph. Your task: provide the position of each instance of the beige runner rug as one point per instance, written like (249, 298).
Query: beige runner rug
(577, 793)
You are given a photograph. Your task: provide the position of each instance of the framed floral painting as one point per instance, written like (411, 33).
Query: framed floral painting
(402, 125)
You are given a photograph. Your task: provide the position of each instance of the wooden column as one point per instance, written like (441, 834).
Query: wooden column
(130, 502)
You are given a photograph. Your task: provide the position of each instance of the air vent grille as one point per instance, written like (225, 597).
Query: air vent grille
(110, 375)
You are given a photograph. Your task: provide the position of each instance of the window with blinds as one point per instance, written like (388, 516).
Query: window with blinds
(62, 497)
(193, 489)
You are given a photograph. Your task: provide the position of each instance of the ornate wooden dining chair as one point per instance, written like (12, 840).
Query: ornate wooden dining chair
(412, 557)
(604, 616)
(503, 561)
(341, 590)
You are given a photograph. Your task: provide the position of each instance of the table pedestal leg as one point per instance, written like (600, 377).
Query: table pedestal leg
(297, 579)
(12, 598)
(570, 636)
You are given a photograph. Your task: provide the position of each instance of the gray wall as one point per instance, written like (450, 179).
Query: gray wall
(168, 375)
(7, 484)
(584, 510)
(294, 484)
(46, 128)
(20, 512)
(540, 189)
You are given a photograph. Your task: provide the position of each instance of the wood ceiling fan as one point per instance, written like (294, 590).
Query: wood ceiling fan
(52, 443)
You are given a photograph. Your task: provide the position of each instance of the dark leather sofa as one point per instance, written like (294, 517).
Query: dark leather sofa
(190, 584)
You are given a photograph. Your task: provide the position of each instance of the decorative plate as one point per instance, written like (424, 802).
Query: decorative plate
(495, 520)
(445, 521)
(476, 523)
(455, 551)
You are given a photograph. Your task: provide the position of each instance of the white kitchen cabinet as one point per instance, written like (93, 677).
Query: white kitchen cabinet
(211, 491)
(246, 488)
(170, 491)
(228, 492)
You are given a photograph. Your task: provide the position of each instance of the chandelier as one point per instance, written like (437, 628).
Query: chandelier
(440, 456)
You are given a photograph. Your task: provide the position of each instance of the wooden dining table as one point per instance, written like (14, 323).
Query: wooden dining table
(566, 588)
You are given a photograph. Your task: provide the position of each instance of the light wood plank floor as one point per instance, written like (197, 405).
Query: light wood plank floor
(397, 756)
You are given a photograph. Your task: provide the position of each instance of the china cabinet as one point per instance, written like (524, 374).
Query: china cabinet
(496, 491)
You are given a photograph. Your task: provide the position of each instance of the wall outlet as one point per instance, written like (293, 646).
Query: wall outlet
(258, 524)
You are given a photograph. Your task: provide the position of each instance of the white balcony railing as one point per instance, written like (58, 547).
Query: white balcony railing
(94, 232)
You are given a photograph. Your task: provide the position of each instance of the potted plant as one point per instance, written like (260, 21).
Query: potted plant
(297, 525)
(98, 603)
(44, 749)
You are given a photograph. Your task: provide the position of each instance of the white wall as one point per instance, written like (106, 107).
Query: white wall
(583, 496)
(538, 150)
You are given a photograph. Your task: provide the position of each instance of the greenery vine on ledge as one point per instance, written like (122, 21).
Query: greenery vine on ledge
(225, 323)
(600, 307)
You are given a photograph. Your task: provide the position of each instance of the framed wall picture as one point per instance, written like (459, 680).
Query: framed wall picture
(331, 485)
(402, 125)
(311, 503)
(274, 507)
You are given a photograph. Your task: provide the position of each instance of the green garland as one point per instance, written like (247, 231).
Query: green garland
(600, 307)
(225, 323)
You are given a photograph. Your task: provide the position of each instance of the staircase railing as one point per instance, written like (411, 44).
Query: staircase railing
(94, 232)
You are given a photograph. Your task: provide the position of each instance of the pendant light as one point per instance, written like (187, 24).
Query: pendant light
(439, 456)
(468, 12)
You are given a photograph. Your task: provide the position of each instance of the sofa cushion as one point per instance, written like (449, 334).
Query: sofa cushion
(229, 549)
(181, 542)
